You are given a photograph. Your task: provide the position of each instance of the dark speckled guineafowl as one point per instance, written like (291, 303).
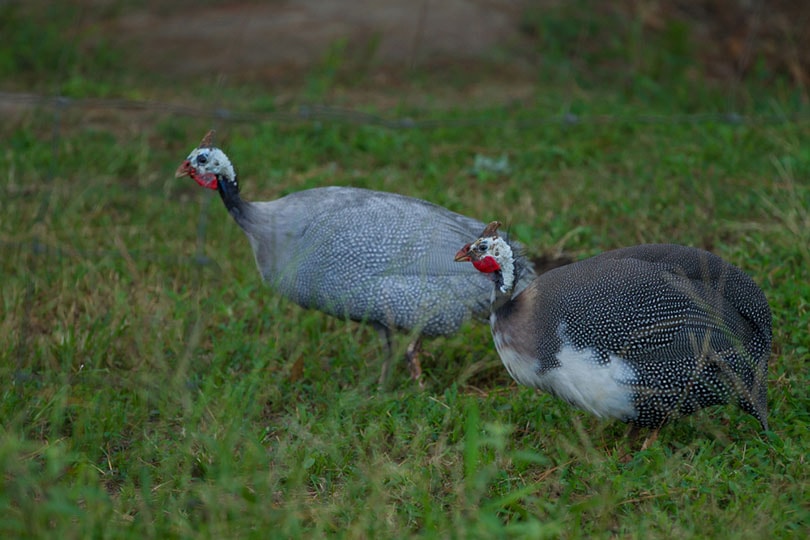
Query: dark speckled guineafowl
(643, 334)
(356, 254)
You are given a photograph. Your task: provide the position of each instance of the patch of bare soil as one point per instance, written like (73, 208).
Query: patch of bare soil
(277, 42)
(276, 39)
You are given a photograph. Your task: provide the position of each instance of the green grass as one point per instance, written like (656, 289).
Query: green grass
(150, 395)
(154, 387)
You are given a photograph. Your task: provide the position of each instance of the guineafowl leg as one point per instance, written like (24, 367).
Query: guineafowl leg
(412, 357)
(650, 438)
(385, 334)
(630, 438)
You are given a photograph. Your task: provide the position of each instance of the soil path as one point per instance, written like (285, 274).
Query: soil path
(274, 40)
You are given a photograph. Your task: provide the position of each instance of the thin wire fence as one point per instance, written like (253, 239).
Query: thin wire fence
(58, 106)
(324, 113)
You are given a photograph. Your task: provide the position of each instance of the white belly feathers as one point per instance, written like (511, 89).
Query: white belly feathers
(601, 389)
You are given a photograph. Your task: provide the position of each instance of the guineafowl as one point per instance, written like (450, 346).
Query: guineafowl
(643, 334)
(357, 254)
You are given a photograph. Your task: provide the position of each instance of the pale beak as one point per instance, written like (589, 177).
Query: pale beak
(463, 255)
(184, 169)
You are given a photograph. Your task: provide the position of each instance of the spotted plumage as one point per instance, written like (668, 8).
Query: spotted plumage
(354, 253)
(643, 334)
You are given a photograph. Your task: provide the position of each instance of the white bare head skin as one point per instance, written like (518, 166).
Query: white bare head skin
(492, 254)
(208, 166)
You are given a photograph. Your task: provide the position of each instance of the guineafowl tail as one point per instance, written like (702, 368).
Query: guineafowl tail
(753, 306)
(749, 336)
(753, 398)
(755, 350)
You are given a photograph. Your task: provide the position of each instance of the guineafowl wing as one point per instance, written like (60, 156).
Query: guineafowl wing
(694, 329)
(368, 255)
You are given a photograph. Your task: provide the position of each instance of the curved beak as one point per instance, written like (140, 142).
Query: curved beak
(463, 255)
(184, 169)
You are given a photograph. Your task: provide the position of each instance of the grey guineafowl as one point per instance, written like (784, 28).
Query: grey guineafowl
(356, 254)
(643, 334)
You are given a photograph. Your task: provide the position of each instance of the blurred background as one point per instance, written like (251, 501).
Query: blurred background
(367, 50)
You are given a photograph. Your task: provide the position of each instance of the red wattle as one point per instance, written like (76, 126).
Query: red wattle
(207, 180)
(487, 265)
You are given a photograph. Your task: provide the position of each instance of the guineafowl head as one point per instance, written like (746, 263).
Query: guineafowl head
(209, 166)
(491, 254)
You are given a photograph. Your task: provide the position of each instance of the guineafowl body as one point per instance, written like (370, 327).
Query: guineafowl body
(356, 254)
(643, 334)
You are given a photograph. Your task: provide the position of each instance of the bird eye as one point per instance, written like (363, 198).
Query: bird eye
(482, 247)
(202, 159)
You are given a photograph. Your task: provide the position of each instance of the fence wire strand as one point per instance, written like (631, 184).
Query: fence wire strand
(324, 113)
(60, 105)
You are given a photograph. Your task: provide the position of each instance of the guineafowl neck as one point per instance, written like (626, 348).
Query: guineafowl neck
(229, 192)
(501, 293)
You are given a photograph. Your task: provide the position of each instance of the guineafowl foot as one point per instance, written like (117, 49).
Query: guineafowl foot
(629, 442)
(384, 373)
(414, 365)
(632, 437)
(651, 438)
(385, 334)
